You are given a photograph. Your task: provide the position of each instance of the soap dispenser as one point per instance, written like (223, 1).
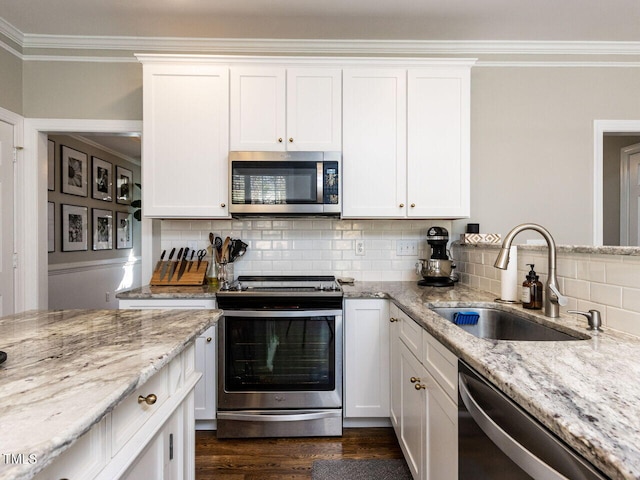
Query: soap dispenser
(532, 291)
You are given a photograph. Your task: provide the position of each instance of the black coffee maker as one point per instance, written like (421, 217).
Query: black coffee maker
(436, 271)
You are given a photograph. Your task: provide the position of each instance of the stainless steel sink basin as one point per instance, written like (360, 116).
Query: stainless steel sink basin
(500, 325)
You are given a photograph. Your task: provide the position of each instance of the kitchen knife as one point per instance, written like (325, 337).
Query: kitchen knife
(159, 264)
(174, 265)
(191, 261)
(166, 265)
(183, 264)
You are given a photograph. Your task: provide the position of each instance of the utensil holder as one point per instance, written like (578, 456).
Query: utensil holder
(225, 273)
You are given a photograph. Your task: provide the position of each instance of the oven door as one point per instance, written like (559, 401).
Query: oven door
(280, 360)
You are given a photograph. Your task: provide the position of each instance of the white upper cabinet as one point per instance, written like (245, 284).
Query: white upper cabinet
(185, 140)
(406, 142)
(438, 142)
(374, 151)
(279, 109)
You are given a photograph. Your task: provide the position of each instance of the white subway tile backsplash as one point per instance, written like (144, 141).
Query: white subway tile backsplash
(606, 294)
(320, 246)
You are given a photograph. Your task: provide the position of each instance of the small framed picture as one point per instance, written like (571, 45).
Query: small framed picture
(74, 172)
(74, 228)
(51, 226)
(51, 165)
(124, 229)
(102, 229)
(124, 182)
(102, 180)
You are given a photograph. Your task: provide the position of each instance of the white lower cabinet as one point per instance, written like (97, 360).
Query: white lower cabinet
(366, 359)
(423, 408)
(140, 439)
(205, 391)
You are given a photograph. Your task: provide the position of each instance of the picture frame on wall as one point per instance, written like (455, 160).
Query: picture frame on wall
(51, 227)
(102, 179)
(51, 165)
(124, 185)
(75, 172)
(74, 228)
(124, 230)
(102, 229)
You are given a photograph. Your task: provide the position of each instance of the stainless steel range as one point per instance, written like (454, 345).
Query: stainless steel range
(280, 357)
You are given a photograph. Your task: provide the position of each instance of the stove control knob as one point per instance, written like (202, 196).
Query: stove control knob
(239, 287)
(321, 288)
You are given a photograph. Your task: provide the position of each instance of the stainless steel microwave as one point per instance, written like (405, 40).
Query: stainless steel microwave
(284, 183)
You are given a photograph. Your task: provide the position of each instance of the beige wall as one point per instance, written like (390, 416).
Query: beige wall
(111, 91)
(531, 132)
(532, 144)
(10, 82)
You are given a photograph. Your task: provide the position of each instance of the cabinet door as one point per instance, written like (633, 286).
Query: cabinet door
(394, 368)
(374, 143)
(441, 462)
(185, 141)
(366, 358)
(258, 109)
(413, 408)
(438, 142)
(314, 107)
(205, 391)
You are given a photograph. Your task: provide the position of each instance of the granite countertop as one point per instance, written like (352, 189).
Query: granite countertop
(66, 369)
(586, 391)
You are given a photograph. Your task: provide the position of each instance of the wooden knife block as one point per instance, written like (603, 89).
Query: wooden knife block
(195, 276)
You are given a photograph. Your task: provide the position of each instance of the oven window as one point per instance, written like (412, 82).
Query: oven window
(273, 183)
(279, 354)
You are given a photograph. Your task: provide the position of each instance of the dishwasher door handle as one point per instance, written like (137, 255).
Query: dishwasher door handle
(522, 457)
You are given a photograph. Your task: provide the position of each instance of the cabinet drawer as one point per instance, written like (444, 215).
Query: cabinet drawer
(411, 335)
(84, 459)
(130, 415)
(442, 364)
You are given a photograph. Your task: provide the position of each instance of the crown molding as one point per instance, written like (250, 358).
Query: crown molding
(310, 46)
(11, 32)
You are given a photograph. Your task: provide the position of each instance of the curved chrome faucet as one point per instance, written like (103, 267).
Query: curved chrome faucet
(552, 298)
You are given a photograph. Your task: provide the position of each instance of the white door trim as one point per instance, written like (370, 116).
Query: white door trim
(32, 235)
(17, 121)
(600, 127)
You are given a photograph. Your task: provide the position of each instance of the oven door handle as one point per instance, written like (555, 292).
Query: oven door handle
(277, 417)
(281, 313)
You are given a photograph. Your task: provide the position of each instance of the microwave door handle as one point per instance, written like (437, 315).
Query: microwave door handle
(320, 183)
(505, 442)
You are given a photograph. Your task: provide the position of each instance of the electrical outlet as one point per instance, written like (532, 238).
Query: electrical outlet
(359, 247)
(407, 248)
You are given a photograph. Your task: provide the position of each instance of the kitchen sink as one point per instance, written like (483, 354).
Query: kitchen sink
(501, 325)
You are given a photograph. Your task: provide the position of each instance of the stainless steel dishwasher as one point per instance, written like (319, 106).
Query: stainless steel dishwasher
(499, 440)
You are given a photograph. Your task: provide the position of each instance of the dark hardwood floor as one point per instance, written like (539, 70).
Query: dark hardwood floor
(286, 458)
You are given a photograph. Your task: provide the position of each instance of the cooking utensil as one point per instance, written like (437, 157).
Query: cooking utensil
(211, 238)
(183, 263)
(201, 254)
(159, 264)
(166, 265)
(191, 260)
(225, 250)
(174, 265)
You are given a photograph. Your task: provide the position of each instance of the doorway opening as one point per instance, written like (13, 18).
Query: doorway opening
(610, 137)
